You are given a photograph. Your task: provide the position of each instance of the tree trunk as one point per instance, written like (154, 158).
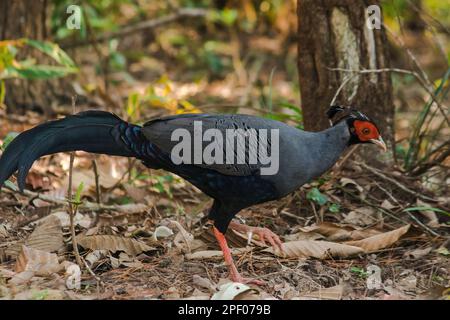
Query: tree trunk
(333, 34)
(27, 19)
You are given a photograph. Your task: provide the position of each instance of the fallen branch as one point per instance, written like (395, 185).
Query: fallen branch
(421, 167)
(86, 205)
(422, 225)
(392, 180)
(141, 26)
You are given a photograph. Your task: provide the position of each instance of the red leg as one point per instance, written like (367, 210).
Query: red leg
(234, 273)
(263, 233)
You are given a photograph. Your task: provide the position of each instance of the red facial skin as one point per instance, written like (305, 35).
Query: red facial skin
(365, 130)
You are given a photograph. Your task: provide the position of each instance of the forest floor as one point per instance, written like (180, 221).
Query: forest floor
(356, 233)
(346, 236)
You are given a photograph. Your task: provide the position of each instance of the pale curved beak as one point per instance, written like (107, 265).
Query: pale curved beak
(379, 142)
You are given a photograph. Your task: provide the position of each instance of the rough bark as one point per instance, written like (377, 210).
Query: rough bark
(333, 34)
(27, 19)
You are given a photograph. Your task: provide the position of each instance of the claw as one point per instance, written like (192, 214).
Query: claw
(266, 234)
(263, 234)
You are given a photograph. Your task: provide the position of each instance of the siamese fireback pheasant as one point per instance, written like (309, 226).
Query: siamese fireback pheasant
(302, 156)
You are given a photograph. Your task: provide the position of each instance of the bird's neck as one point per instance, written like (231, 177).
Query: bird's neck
(331, 143)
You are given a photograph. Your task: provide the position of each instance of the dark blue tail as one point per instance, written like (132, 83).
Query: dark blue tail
(90, 131)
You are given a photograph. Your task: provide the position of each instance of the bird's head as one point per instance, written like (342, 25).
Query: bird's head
(362, 128)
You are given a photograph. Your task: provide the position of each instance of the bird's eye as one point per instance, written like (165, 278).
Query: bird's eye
(366, 131)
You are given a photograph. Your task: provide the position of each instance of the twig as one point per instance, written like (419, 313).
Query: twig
(387, 193)
(392, 180)
(390, 214)
(347, 79)
(315, 212)
(290, 215)
(97, 185)
(72, 209)
(99, 281)
(141, 26)
(422, 225)
(91, 206)
(72, 212)
(421, 168)
(410, 54)
(340, 164)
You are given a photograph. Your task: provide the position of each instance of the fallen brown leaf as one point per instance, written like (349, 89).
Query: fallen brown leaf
(37, 261)
(431, 216)
(362, 216)
(47, 237)
(316, 249)
(347, 181)
(417, 253)
(21, 278)
(335, 232)
(380, 241)
(137, 194)
(332, 293)
(113, 244)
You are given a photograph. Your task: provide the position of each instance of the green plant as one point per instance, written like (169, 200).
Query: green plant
(267, 103)
(10, 67)
(318, 197)
(359, 271)
(28, 69)
(159, 94)
(163, 183)
(40, 295)
(437, 210)
(422, 150)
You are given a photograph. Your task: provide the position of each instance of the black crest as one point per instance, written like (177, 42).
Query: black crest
(337, 113)
(334, 110)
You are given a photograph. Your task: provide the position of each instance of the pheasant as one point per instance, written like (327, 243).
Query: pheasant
(301, 156)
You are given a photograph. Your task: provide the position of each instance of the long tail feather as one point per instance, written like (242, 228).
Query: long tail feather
(90, 131)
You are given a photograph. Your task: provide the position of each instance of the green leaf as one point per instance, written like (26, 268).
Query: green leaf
(292, 107)
(40, 295)
(9, 137)
(11, 186)
(334, 207)
(270, 103)
(443, 251)
(359, 271)
(226, 16)
(77, 198)
(2, 92)
(36, 72)
(53, 50)
(133, 104)
(315, 195)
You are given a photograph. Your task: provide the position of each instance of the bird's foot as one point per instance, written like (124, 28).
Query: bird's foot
(234, 273)
(263, 234)
(266, 234)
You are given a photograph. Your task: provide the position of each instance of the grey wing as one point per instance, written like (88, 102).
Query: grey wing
(160, 131)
